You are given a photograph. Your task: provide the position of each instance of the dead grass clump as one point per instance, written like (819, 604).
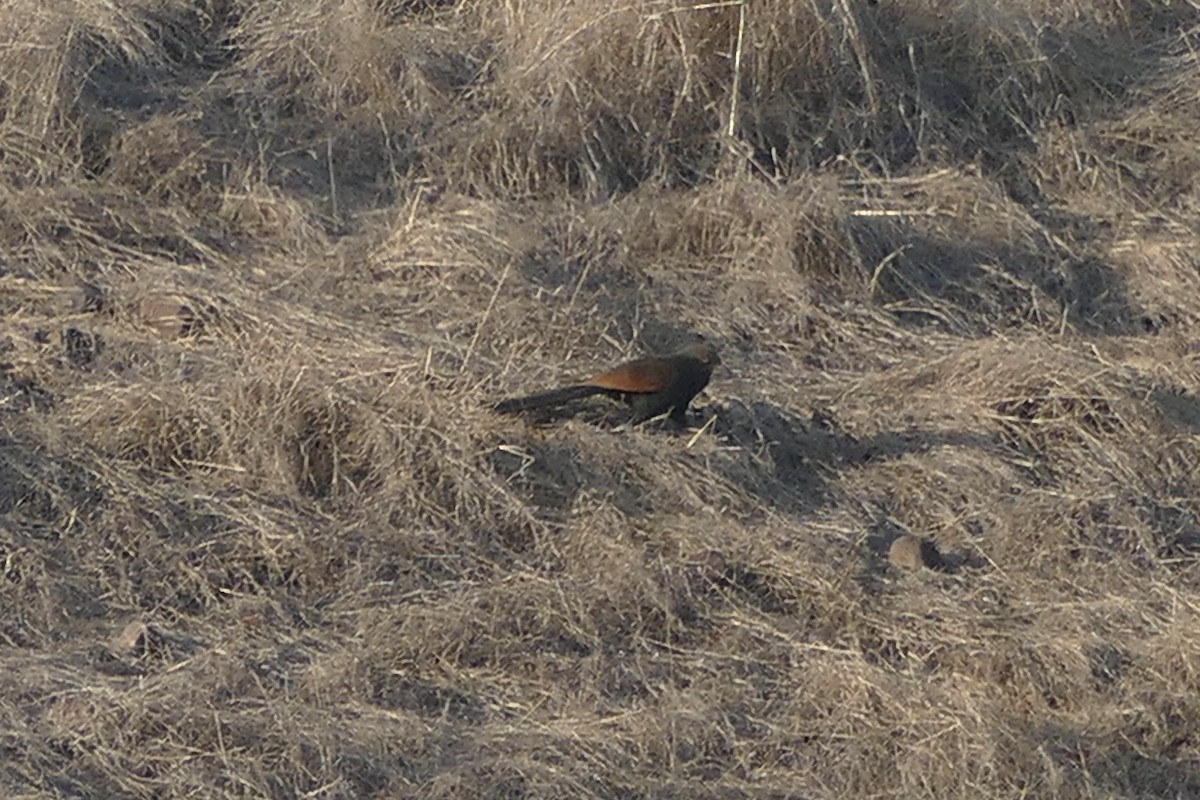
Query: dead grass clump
(602, 99)
(1160, 267)
(1103, 530)
(262, 215)
(1063, 429)
(948, 251)
(1170, 527)
(332, 452)
(762, 254)
(1087, 400)
(79, 73)
(935, 63)
(347, 99)
(1043, 457)
(167, 162)
(163, 432)
(1091, 164)
(1044, 415)
(90, 724)
(244, 427)
(60, 46)
(45, 490)
(52, 232)
(738, 221)
(797, 83)
(190, 547)
(345, 60)
(562, 79)
(458, 248)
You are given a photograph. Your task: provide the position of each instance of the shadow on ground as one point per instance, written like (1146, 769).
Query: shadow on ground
(550, 477)
(791, 460)
(1178, 407)
(973, 287)
(1120, 767)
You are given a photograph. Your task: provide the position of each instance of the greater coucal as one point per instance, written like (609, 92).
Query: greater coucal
(650, 386)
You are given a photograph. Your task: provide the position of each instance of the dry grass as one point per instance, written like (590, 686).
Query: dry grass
(262, 264)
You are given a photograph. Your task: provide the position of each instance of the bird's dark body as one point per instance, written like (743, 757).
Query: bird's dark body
(650, 386)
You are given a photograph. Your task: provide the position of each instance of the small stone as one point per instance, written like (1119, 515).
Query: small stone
(133, 638)
(168, 314)
(914, 552)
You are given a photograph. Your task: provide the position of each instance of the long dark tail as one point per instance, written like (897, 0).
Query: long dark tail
(553, 397)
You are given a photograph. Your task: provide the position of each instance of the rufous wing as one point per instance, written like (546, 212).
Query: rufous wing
(638, 377)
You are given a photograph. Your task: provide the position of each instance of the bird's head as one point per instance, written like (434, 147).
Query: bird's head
(704, 352)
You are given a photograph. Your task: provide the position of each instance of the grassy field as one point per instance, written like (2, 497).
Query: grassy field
(263, 266)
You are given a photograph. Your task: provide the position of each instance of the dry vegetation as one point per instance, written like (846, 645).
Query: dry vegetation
(262, 264)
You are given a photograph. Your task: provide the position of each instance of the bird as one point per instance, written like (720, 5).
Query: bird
(650, 386)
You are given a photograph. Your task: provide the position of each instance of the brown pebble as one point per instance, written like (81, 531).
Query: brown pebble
(914, 552)
(169, 314)
(133, 638)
